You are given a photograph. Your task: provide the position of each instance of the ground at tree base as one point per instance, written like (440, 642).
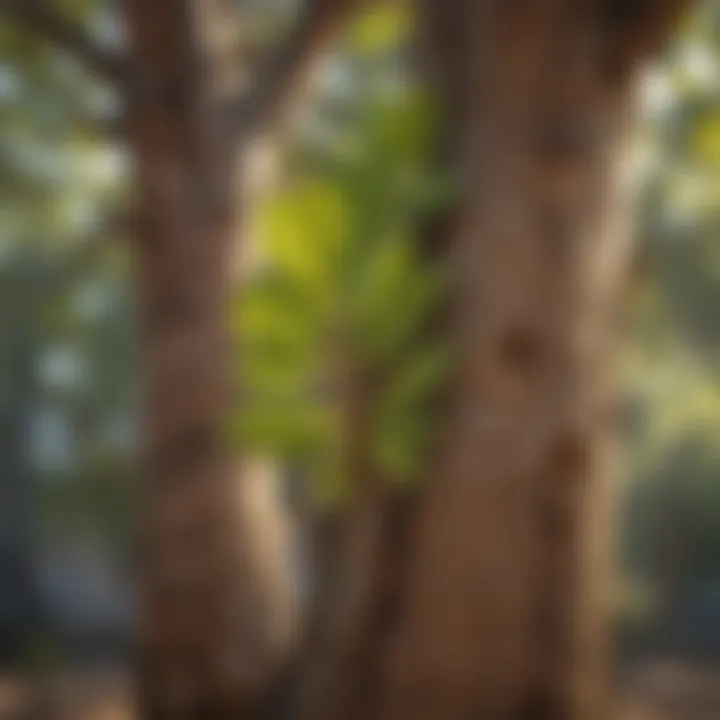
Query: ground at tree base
(654, 690)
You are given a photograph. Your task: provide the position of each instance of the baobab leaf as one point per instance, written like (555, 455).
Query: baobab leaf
(416, 381)
(400, 130)
(341, 262)
(291, 431)
(305, 232)
(384, 269)
(262, 373)
(379, 28)
(271, 313)
(399, 447)
(394, 329)
(280, 286)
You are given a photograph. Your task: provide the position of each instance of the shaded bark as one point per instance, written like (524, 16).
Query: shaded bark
(218, 607)
(504, 611)
(208, 641)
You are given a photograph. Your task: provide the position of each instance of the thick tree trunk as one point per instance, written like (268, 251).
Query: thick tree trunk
(490, 604)
(501, 614)
(504, 614)
(213, 614)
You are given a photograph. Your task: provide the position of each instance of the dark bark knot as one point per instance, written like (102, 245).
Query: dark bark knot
(520, 351)
(564, 154)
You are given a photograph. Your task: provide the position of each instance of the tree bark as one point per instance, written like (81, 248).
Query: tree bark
(504, 612)
(214, 623)
(501, 615)
(219, 609)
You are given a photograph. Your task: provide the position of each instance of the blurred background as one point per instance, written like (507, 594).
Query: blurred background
(352, 156)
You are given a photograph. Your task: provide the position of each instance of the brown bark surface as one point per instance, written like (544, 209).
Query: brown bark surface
(501, 614)
(504, 610)
(208, 640)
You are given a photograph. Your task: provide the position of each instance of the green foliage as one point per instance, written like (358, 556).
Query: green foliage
(344, 285)
(379, 27)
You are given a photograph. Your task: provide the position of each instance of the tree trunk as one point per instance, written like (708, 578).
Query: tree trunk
(500, 613)
(212, 612)
(503, 616)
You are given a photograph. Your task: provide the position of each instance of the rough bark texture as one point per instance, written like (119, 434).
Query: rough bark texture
(489, 603)
(211, 629)
(503, 617)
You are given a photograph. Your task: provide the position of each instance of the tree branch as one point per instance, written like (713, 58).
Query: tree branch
(286, 68)
(640, 27)
(38, 16)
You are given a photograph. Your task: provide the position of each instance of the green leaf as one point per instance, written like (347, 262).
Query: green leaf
(379, 28)
(291, 430)
(416, 381)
